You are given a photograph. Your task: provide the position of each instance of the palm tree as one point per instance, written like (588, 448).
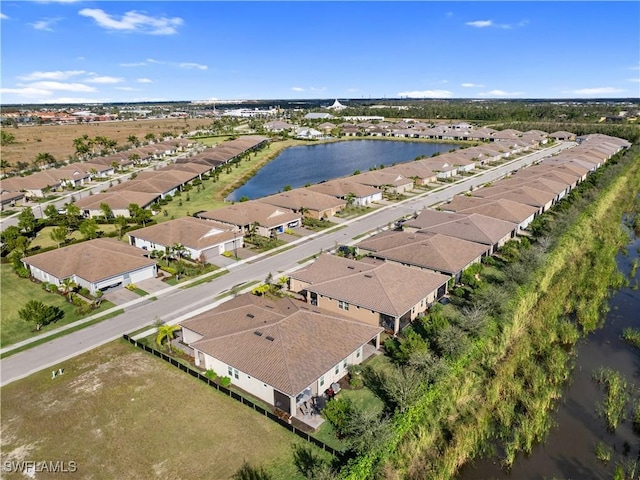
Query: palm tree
(166, 333)
(67, 286)
(179, 250)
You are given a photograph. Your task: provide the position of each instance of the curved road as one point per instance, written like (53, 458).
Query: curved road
(177, 303)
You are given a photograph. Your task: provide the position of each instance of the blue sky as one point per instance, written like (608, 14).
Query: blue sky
(86, 51)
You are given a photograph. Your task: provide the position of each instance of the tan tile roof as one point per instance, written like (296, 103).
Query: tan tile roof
(179, 177)
(329, 267)
(193, 167)
(297, 343)
(387, 288)
(472, 227)
(433, 251)
(340, 188)
(500, 208)
(540, 183)
(244, 214)
(526, 195)
(117, 200)
(303, 197)
(191, 232)
(152, 185)
(380, 178)
(93, 260)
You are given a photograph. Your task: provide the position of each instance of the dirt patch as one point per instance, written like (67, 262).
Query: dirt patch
(58, 139)
(121, 413)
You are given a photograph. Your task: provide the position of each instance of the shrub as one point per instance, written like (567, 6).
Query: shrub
(225, 381)
(211, 374)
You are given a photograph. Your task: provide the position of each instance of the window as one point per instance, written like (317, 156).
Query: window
(322, 381)
(358, 352)
(235, 374)
(230, 371)
(343, 305)
(344, 363)
(337, 370)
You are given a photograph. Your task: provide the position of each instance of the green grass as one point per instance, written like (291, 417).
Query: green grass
(147, 417)
(212, 193)
(61, 334)
(43, 239)
(219, 273)
(15, 292)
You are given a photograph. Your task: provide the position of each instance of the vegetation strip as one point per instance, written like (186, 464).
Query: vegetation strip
(475, 403)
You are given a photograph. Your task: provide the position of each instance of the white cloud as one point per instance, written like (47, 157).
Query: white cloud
(189, 66)
(499, 93)
(317, 89)
(45, 24)
(480, 23)
(27, 91)
(3, 16)
(133, 22)
(634, 80)
(490, 23)
(128, 89)
(76, 100)
(105, 79)
(471, 85)
(426, 94)
(596, 91)
(185, 65)
(353, 90)
(145, 80)
(69, 87)
(54, 75)
(297, 89)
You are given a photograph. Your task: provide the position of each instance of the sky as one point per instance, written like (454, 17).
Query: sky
(75, 51)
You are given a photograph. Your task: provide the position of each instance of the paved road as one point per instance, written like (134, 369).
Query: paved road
(177, 304)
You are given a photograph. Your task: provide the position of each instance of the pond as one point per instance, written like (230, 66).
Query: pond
(569, 450)
(310, 164)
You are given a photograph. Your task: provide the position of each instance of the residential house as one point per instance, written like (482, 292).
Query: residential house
(387, 294)
(350, 191)
(499, 208)
(388, 182)
(203, 240)
(439, 253)
(118, 202)
(281, 351)
(472, 227)
(98, 265)
(540, 199)
(307, 202)
(266, 219)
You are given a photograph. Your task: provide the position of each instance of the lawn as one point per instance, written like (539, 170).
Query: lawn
(212, 194)
(14, 294)
(43, 239)
(121, 413)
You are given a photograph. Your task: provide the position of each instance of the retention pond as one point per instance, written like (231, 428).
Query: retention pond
(310, 164)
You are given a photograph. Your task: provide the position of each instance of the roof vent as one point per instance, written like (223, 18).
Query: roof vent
(271, 339)
(250, 315)
(258, 333)
(351, 267)
(368, 276)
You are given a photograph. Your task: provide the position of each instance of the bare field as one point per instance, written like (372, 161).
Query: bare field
(118, 412)
(58, 139)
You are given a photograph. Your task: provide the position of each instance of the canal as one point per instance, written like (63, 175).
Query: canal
(569, 451)
(309, 164)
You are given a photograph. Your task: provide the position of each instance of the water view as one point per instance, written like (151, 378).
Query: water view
(570, 449)
(309, 164)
